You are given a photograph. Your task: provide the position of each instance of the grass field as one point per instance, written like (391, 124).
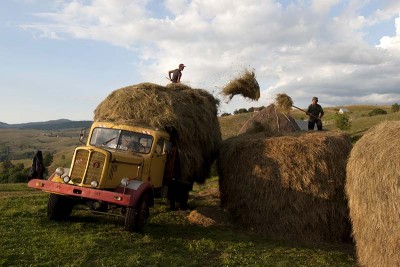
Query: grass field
(170, 238)
(28, 238)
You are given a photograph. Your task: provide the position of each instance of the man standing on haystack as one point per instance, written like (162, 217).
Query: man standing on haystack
(176, 74)
(315, 112)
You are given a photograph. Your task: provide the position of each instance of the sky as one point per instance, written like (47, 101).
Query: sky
(60, 59)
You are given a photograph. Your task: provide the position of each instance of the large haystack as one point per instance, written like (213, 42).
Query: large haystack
(245, 85)
(189, 115)
(288, 187)
(271, 120)
(373, 190)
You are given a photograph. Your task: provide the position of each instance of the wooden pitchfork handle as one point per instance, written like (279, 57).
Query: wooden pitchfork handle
(306, 112)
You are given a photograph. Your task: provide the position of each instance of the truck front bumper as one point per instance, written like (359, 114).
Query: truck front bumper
(81, 192)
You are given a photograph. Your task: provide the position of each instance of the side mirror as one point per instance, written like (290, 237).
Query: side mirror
(82, 136)
(167, 147)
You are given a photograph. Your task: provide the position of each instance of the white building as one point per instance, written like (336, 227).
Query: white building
(343, 110)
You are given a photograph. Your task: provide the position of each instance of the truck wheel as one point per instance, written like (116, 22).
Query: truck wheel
(136, 217)
(59, 207)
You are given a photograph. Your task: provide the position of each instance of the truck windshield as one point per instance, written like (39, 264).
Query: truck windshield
(121, 140)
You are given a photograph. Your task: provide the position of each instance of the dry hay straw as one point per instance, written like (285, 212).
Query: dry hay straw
(288, 187)
(245, 85)
(209, 216)
(284, 102)
(189, 115)
(270, 120)
(373, 190)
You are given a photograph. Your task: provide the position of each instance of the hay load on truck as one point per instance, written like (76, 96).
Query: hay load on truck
(146, 141)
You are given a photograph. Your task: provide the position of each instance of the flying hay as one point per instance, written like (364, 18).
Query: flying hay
(245, 85)
(284, 102)
(289, 187)
(373, 190)
(270, 120)
(189, 115)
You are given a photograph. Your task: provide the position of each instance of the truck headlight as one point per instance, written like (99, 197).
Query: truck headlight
(124, 182)
(94, 184)
(66, 179)
(60, 171)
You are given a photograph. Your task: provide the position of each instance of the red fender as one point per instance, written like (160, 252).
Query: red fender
(136, 189)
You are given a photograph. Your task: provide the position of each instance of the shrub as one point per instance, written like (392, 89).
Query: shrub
(13, 173)
(241, 110)
(342, 121)
(377, 111)
(47, 159)
(395, 107)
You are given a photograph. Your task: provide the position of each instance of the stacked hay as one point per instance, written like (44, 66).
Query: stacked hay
(289, 187)
(245, 85)
(373, 191)
(189, 115)
(271, 120)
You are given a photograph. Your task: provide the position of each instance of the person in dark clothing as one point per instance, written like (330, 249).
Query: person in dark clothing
(37, 170)
(315, 112)
(176, 74)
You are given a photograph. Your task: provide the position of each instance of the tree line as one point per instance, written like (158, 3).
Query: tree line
(17, 173)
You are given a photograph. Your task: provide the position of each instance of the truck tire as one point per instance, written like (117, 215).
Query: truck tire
(136, 217)
(59, 207)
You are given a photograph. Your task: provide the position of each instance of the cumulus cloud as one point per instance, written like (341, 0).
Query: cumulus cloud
(301, 49)
(392, 42)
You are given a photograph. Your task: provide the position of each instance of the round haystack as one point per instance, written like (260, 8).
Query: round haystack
(373, 191)
(245, 85)
(271, 120)
(189, 115)
(288, 187)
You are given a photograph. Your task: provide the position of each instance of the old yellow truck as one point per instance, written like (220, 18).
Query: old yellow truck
(119, 170)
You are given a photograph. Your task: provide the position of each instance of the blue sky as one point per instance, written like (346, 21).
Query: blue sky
(61, 58)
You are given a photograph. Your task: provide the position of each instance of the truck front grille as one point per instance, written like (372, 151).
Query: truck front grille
(88, 166)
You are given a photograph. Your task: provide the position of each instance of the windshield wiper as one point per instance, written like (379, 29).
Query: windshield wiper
(108, 141)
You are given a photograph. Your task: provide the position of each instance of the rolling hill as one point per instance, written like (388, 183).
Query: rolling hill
(48, 125)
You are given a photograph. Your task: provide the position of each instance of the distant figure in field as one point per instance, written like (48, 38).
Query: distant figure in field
(37, 170)
(176, 74)
(315, 112)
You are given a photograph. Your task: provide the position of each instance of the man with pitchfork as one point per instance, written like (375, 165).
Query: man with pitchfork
(315, 112)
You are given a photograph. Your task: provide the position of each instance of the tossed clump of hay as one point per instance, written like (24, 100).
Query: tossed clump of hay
(245, 85)
(270, 120)
(373, 190)
(189, 115)
(284, 102)
(288, 187)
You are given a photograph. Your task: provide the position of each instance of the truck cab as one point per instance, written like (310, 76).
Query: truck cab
(119, 167)
(114, 152)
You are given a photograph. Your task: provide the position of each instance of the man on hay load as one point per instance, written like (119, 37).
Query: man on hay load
(176, 74)
(315, 112)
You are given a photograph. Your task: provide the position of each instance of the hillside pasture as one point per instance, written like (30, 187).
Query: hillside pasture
(16, 143)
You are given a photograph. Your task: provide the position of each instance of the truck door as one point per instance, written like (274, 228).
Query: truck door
(158, 159)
